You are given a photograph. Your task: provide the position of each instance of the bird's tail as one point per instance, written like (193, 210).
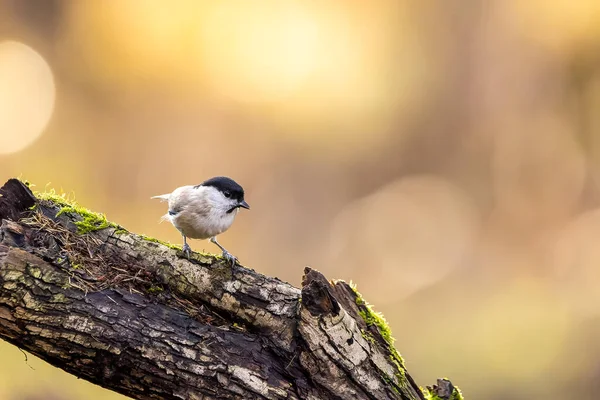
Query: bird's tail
(162, 197)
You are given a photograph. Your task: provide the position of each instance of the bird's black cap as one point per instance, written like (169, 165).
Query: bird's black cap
(227, 186)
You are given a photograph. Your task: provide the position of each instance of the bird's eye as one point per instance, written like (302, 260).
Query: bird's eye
(227, 193)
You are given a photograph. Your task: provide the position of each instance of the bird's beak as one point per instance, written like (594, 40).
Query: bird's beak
(244, 205)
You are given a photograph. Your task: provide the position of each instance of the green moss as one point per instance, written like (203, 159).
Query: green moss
(90, 221)
(367, 336)
(59, 199)
(401, 374)
(153, 240)
(154, 289)
(374, 318)
(195, 255)
(431, 395)
(457, 394)
(392, 385)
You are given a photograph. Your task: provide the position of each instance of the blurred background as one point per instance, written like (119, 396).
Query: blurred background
(443, 155)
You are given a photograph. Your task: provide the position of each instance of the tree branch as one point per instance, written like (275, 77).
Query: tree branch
(133, 315)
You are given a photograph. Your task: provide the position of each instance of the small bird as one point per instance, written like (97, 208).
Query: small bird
(205, 210)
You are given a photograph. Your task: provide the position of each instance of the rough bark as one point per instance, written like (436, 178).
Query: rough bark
(135, 316)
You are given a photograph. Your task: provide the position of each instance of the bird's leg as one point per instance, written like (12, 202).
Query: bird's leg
(227, 255)
(186, 247)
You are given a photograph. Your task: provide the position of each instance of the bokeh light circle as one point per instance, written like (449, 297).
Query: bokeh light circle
(259, 51)
(27, 94)
(414, 231)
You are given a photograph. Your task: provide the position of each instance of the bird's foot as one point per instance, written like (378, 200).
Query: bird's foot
(230, 258)
(187, 250)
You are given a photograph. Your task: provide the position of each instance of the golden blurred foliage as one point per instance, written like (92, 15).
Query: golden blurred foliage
(445, 156)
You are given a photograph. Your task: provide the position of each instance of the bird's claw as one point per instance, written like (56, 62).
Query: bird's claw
(229, 257)
(187, 250)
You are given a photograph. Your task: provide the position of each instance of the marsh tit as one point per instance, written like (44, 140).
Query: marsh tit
(205, 210)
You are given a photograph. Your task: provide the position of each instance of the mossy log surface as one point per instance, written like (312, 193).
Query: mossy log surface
(135, 316)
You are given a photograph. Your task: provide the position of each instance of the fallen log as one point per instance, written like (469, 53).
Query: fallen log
(134, 315)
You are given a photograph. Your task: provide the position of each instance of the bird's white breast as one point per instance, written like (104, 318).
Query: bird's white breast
(199, 212)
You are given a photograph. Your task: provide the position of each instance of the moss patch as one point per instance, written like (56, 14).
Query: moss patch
(153, 240)
(432, 393)
(376, 319)
(456, 395)
(154, 289)
(90, 221)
